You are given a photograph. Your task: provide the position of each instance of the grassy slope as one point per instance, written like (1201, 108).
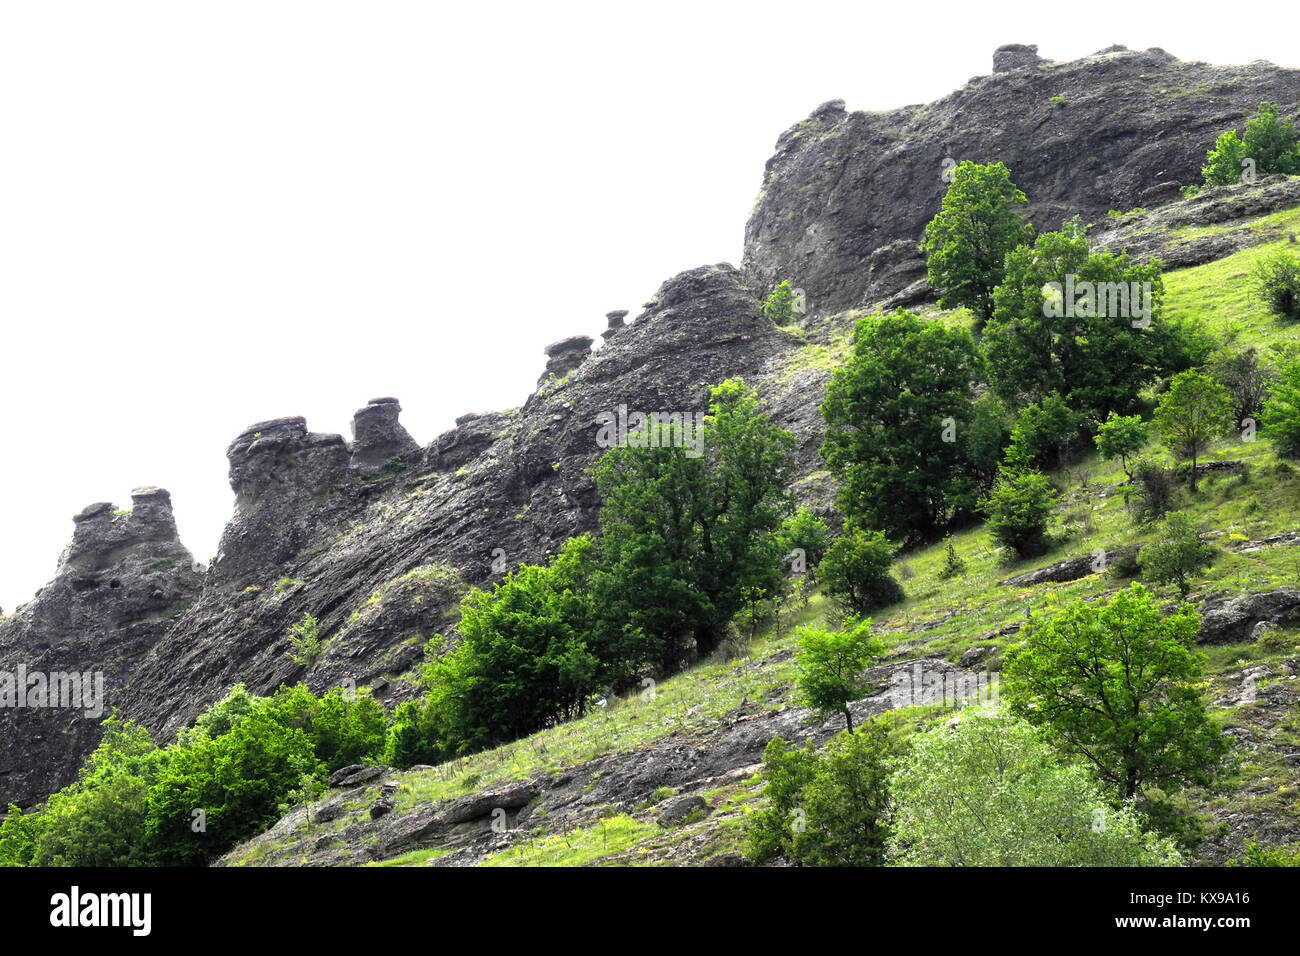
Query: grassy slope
(943, 618)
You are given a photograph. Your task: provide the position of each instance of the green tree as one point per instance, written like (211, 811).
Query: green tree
(992, 792)
(1043, 433)
(829, 666)
(684, 537)
(1176, 554)
(828, 809)
(99, 820)
(805, 538)
(1276, 278)
(1280, 419)
(1118, 684)
(1192, 414)
(1018, 509)
(1246, 378)
(896, 414)
(522, 662)
(1064, 322)
(855, 572)
(1122, 437)
(1271, 142)
(967, 243)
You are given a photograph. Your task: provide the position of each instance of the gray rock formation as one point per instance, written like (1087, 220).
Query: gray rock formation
(843, 185)
(378, 438)
(564, 356)
(1234, 619)
(1015, 56)
(119, 587)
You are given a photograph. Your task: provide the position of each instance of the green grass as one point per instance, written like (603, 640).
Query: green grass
(581, 847)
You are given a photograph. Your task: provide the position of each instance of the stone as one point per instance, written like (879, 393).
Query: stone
(1015, 56)
(564, 356)
(1235, 619)
(1159, 194)
(675, 810)
(378, 437)
(355, 774)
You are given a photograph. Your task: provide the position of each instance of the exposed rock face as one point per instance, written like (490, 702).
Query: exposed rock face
(382, 558)
(564, 356)
(1015, 56)
(1234, 619)
(615, 322)
(1160, 233)
(378, 437)
(1072, 569)
(285, 481)
(842, 185)
(119, 585)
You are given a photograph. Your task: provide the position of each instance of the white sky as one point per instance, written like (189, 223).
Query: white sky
(217, 213)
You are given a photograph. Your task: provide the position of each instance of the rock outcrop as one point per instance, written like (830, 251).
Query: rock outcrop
(119, 587)
(379, 442)
(1085, 137)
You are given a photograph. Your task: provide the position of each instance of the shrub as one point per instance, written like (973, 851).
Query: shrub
(1277, 283)
(953, 564)
(992, 792)
(780, 305)
(1247, 381)
(1270, 143)
(1018, 509)
(805, 536)
(855, 572)
(1176, 554)
(1153, 490)
(829, 666)
(1280, 419)
(304, 642)
(829, 809)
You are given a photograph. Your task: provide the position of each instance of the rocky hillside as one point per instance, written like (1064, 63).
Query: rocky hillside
(379, 536)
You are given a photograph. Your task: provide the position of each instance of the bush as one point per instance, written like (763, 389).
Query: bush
(953, 564)
(829, 809)
(304, 642)
(1280, 419)
(780, 305)
(1018, 509)
(1277, 283)
(1270, 144)
(829, 666)
(1176, 554)
(1153, 490)
(1247, 381)
(855, 572)
(992, 792)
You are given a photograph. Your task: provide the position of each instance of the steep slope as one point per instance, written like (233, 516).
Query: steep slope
(846, 196)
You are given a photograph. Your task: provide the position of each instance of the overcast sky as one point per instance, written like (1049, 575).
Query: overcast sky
(217, 213)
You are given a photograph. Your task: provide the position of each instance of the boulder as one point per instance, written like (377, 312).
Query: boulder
(1235, 619)
(675, 810)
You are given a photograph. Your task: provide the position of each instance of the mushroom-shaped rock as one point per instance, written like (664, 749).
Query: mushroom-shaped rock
(564, 356)
(1015, 56)
(378, 437)
(615, 320)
